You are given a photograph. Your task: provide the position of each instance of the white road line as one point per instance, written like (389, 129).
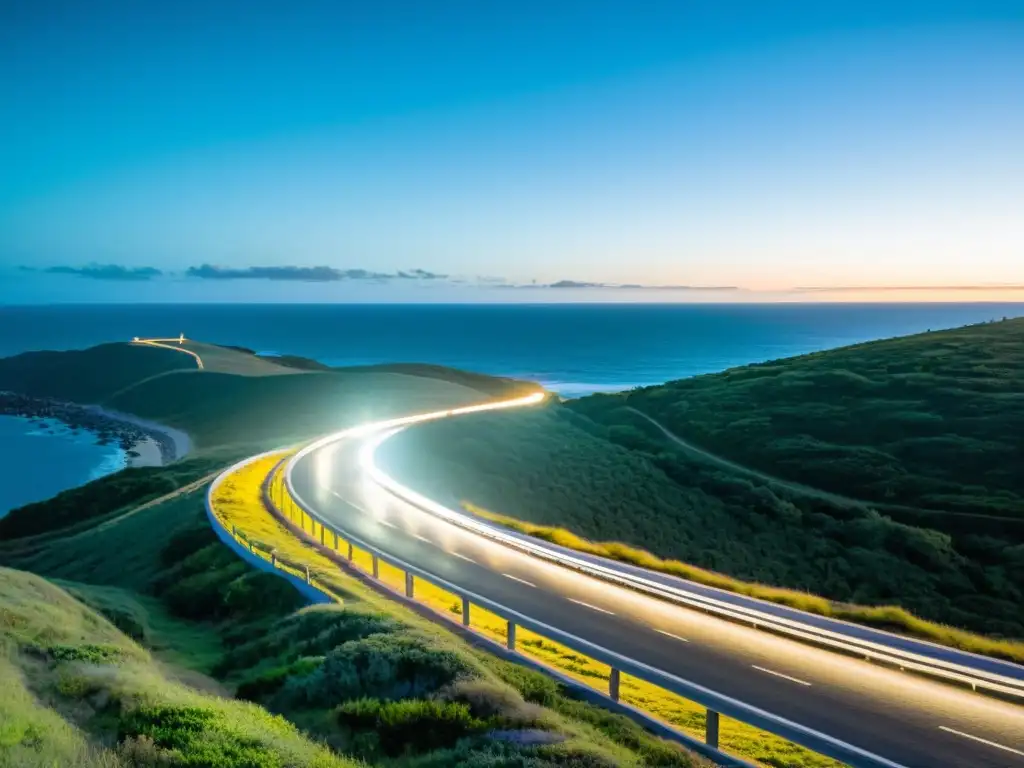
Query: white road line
(422, 538)
(463, 557)
(386, 523)
(588, 605)
(669, 634)
(521, 581)
(347, 501)
(779, 674)
(983, 741)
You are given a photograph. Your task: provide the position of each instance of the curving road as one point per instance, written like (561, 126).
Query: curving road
(907, 719)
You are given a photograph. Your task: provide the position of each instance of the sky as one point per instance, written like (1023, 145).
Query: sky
(528, 151)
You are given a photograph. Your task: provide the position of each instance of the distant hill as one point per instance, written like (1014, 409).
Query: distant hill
(934, 421)
(878, 474)
(87, 376)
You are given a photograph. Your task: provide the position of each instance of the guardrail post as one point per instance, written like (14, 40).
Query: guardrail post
(234, 531)
(711, 729)
(323, 536)
(335, 540)
(376, 566)
(273, 558)
(410, 585)
(613, 683)
(511, 642)
(350, 552)
(307, 575)
(465, 611)
(252, 547)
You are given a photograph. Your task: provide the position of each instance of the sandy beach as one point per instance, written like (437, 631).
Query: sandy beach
(144, 443)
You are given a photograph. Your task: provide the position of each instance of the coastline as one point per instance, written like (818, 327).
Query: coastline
(143, 443)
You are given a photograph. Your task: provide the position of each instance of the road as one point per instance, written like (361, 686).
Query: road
(907, 719)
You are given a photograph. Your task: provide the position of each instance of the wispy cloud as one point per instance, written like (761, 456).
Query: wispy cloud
(305, 274)
(101, 272)
(890, 288)
(583, 285)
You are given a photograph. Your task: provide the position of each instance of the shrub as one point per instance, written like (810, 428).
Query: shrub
(415, 725)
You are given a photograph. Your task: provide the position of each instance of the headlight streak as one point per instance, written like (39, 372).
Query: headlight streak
(379, 432)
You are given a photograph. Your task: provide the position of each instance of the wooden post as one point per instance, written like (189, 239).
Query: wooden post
(613, 684)
(511, 642)
(410, 585)
(465, 611)
(376, 566)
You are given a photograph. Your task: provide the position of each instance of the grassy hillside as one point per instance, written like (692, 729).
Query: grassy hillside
(154, 646)
(193, 634)
(600, 470)
(933, 421)
(87, 376)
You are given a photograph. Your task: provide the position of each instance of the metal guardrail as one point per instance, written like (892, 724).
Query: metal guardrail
(716, 704)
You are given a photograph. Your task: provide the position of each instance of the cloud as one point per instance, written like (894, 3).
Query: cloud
(305, 274)
(583, 285)
(101, 272)
(420, 274)
(865, 288)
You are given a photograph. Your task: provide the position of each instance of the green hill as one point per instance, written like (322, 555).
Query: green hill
(87, 376)
(932, 420)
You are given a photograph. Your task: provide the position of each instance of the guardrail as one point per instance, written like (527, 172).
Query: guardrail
(281, 499)
(950, 672)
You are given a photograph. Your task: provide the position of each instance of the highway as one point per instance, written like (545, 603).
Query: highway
(905, 718)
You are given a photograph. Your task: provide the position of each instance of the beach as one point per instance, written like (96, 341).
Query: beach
(143, 443)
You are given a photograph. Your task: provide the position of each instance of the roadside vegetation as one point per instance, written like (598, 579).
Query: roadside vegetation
(600, 471)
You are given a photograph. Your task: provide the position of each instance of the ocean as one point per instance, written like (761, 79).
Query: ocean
(573, 349)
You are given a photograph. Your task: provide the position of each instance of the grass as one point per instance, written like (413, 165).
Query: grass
(888, 617)
(244, 509)
(79, 692)
(621, 480)
(237, 503)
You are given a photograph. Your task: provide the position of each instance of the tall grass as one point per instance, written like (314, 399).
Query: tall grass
(888, 617)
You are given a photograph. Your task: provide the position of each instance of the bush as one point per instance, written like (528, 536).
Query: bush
(415, 725)
(381, 666)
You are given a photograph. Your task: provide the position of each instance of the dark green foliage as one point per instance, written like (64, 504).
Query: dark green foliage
(198, 737)
(89, 653)
(386, 666)
(410, 725)
(129, 487)
(86, 376)
(597, 468)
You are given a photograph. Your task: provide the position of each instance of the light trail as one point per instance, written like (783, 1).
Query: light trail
(162, 344)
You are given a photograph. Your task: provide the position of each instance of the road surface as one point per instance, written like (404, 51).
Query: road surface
(913, 721)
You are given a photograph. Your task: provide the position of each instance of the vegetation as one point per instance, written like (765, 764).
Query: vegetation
(601, 471)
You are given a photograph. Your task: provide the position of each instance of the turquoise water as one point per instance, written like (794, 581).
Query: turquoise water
(38, 464)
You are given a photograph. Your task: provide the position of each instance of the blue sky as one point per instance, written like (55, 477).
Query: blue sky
(467, 151)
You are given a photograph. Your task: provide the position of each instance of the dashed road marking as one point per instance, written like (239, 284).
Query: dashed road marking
(464, 557)
(521, 581)
(422, 538)
(779, 674)
(983, 741)
(387, 523)
(669, 634)
(588, 605)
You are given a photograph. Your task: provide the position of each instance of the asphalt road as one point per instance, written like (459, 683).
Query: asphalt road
(913, 721)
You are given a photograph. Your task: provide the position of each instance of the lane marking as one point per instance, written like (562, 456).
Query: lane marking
(779, 674)
(588, 605)
(669, 634)
(983, 741)
(386, 523)
(422, 538)
(463, 557)
(337, 495)
(521, 581)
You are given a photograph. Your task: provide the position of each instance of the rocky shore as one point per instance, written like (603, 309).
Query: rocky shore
(131, 435)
